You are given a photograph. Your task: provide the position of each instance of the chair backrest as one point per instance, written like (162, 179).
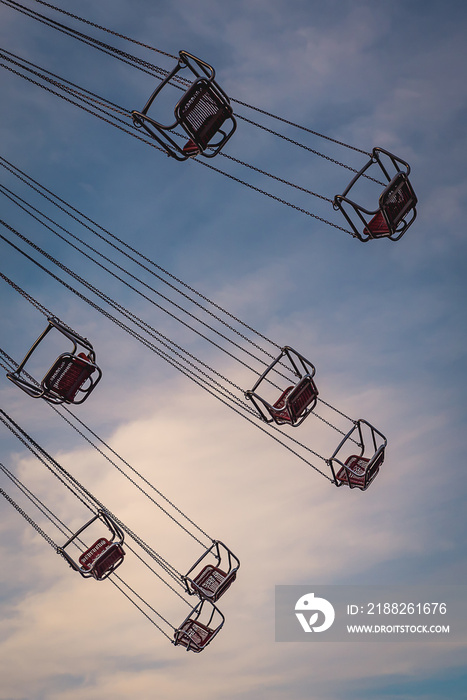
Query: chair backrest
(102, 558)
(301, 397)
(397, 199)
(68, 375)
(212, 582)
(280, 410)
(294, 401)
(359, 472)
(202, 111)
(193, 635)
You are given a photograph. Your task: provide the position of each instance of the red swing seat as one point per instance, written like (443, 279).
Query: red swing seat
(212, 582)
(201, 112)
(69, 379)
(68, 375)
(396, 204)
(210, 579)
(296, 401)
(102, 558)
(293, 402)
(359, 471)
(194, 634)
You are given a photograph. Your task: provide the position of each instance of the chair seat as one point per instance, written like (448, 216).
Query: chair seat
(102, 558)
(294, 401)
(190, 148)
(280, 407)
(356, 477)
(377, 226)
(201, 112)
(212, 582)
(397, 200)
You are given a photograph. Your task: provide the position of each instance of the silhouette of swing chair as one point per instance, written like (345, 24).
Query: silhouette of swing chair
(296, 401)
(69, 379)
(201, 112)
(396, 210)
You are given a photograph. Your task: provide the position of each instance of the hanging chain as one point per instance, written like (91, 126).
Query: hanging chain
(109, 31)
(27, 296)
(30, 520)
(277, 199)
(133, 470)
(116, 576)
(206, 299)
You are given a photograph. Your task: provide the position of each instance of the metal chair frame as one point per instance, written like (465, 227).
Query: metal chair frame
(395, 219)
(45, 389)
(305, 371)
(211, 581)
(343, 473)
(192, 627)
(115, 542)
(204, 86)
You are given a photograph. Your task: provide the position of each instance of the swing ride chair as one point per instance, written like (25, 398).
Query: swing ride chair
(104, 556)
(210, 581)
(358, 471)
(200, 627)
(69, 379)
(396, 211)
(296, 401)
(201, 112)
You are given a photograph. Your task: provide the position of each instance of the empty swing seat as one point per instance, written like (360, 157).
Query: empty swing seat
(102, 558)
(210, 579)
(70, 379)
(359, 471)
(194, 634)
(212, 582)
(296, 401)
(201, 112)
(396, 204)
(68, 376)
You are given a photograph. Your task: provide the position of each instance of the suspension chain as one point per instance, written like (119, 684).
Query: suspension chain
(30, 520)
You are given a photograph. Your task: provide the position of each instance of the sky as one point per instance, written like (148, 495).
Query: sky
(383, 323)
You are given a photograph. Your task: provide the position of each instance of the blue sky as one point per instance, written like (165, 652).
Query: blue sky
(383, 322)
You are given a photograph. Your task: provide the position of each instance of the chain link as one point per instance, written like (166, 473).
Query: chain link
(30, 520)
(109, 31)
